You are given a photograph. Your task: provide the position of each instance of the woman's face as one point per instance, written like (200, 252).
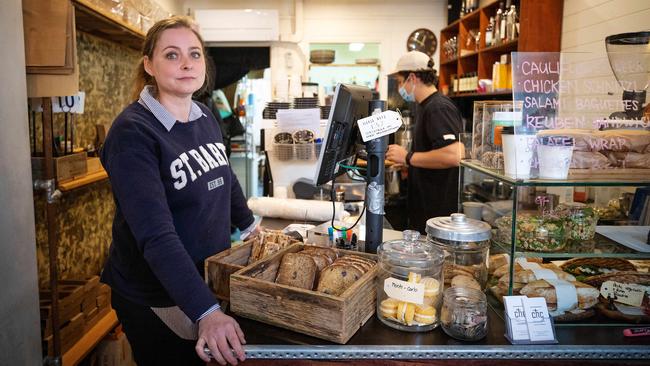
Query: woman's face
(178, 63)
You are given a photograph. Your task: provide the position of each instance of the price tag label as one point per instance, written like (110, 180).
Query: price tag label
(379, 125)
(624, 293)
(404, 291)
(69, 103)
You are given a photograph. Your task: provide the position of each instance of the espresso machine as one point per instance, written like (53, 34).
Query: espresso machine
(629, 58)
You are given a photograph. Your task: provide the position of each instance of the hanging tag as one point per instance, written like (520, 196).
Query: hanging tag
(379, 125)
(69, 103)
(625, 293)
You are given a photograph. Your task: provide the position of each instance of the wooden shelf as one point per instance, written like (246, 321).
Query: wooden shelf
(476, 94)
(510, 45)
(451, 27)
(90, 339)
(472, 17)
(539, 31)
(83, 181)
(448, 62)
(471, 54)
(98, 22)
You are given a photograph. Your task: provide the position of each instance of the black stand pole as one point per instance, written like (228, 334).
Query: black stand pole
(376, 149)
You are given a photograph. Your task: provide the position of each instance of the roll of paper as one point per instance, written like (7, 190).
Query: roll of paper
(295, 209)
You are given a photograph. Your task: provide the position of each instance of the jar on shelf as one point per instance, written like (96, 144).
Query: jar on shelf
(534, 233)
(409, 283)
(464, 313)
(466, 244)
(581, 220)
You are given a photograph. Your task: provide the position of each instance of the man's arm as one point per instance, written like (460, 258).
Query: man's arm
(442, 158)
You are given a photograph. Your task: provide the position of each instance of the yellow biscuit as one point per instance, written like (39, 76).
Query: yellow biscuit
(414, 277)
(425, 314)
(405, 312)
(388, 308)
(431, 286)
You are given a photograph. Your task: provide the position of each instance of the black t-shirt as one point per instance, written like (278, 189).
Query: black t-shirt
(433, 192)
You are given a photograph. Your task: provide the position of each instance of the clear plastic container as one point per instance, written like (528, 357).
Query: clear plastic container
(466, 244)
(409, 283)
(464, 314)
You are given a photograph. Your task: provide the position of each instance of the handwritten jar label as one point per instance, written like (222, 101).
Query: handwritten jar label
(404, 291)
(624, 293)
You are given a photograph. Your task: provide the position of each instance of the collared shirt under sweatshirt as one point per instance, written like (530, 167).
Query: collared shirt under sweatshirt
(176, 197)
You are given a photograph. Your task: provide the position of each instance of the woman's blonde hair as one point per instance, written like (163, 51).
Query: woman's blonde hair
(142, 78)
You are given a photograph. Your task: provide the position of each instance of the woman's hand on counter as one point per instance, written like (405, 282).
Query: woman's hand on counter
(396, 154)
(224, 338)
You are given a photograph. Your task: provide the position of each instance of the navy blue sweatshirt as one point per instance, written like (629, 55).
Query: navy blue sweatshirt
(176, 197)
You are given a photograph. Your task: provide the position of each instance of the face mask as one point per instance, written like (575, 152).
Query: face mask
(409, 97)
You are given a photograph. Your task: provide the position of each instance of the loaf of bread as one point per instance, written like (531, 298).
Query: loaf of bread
(297, 270)
(342, 273)
(267, 243)
(465, 282)
(587, 295)
(337, 278)
(329, 252)
(498, 260)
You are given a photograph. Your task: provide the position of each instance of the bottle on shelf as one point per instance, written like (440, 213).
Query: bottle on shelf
(497, 25)
(489, 33)
(512, 24)
(503, 25)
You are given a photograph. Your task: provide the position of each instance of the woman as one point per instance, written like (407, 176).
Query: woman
(175, 197)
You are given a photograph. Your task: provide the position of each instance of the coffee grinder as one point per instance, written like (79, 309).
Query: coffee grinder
(629, 58)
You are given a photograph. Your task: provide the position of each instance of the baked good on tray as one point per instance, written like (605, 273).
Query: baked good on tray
(587, 267)
(635, 309)
(297, 270)
(268, 242)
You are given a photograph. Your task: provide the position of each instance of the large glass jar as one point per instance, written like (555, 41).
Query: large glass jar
(534, 233)
(581, 220)
(409, 283)
(464, 313)
(466, 244)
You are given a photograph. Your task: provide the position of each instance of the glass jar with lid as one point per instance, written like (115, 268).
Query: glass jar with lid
(580, 219)
(464, 313)
(466, 244)
(409, 283)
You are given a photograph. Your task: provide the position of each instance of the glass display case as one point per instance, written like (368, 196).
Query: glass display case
(564, 179)
(537, 222)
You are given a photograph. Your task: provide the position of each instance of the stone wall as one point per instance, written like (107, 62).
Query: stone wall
(85, 215)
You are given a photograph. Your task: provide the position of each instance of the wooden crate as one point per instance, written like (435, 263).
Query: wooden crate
(71, 332)
(90, 288)
(219, 267)
(70, 299)
(255, 295)
(66, 167)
